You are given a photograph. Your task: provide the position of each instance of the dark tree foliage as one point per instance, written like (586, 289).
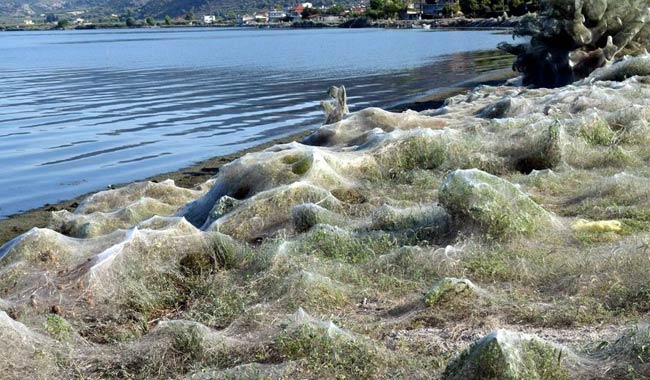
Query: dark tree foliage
(487, 8)
(386, 8)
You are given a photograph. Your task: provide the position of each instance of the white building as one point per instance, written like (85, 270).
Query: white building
(276, 16)
(28, 21)
(209, 19)
(327, 19)
(246, 20)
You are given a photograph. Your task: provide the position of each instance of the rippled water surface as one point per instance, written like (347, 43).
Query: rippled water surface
(80, 110)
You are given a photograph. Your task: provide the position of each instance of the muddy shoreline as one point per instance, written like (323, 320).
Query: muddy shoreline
(201, 171)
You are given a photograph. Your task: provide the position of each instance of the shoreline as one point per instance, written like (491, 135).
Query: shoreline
(355, 23)
(188, 177)
(199, 172)
(511, 219)
(436, 98)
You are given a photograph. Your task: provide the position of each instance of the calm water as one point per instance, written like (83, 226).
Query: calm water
(80, 110)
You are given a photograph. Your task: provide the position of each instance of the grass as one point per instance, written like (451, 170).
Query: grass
(597, 132)
(507, 357)
(58, 328)
(371, 255)
(329, 357)
(419, 151)
(447, 289)
(340, 245)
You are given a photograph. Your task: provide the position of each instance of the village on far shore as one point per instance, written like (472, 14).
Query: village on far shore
(402, 13)
(335, 14)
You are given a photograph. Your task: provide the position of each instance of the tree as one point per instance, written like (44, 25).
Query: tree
(450, 10)
(470, 7)
(130, 22)
(168, 20)
(499, 6)
(377, 5)
(51, 17)
(385, 8)
(520, 7)
(309, 12)
(393, 8)
(150, 21)
(62, 24)
(487, 8)
(189, 16)
(513, 4)
(335, 10)
(376, 9)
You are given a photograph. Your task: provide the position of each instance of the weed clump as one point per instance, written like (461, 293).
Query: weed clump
(548, 156)
(597, 133)
(491, 202)
(329, 356)
(423, 151)
(58, 327)
(307, 215)
(447, 289)
(504, 355)
(338, 244)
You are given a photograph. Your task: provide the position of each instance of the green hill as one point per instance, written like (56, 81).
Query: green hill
(142, 8)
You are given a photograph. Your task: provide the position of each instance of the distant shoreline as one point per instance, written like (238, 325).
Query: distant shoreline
(437, 24)
(201, 171)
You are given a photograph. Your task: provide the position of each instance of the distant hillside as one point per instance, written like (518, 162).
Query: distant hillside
(145, 8)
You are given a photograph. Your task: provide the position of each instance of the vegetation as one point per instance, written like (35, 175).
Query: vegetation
(383, 9)
(401, 247)
(487, 8)
(62, 24)
(157, 9)
(58, 327)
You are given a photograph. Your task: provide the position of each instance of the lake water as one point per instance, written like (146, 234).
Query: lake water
(80, 110)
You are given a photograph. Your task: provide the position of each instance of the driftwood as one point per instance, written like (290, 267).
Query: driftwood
(336, 108)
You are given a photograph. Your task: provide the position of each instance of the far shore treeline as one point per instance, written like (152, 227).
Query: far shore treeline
(259, 12)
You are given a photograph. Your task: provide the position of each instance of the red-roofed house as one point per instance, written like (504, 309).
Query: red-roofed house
(296, 12)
